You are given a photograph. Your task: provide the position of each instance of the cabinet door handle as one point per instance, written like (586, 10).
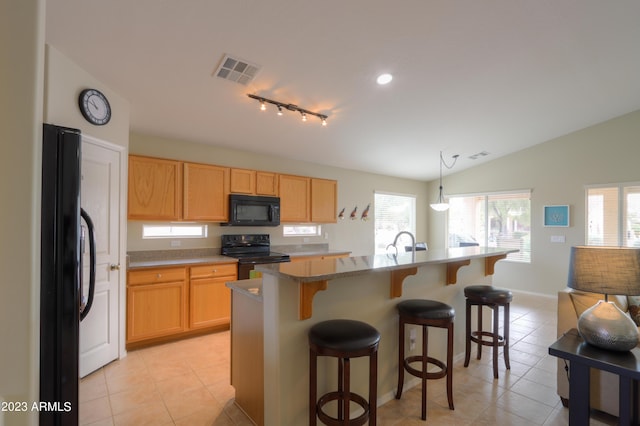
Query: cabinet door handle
(215, 270)
(159, 276)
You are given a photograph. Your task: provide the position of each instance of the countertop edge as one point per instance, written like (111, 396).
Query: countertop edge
(246, 288)
(274, 269)
(180, 262)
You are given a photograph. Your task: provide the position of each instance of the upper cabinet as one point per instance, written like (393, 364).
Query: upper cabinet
(324, 200)
(206, 192)
(243, 181)
(168, 190)
(253, 182)
(295, 198)
(155, 188)
(267, 184)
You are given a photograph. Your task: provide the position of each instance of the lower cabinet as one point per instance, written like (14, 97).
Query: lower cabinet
(210, 299)
(168, 302)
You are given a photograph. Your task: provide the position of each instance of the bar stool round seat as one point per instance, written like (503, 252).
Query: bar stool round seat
(494, 298)
(343, 339)
(426, 313)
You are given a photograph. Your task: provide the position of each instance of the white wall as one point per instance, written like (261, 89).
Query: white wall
(354, 189)
(64, 80)
(21, 77)
(556, 172)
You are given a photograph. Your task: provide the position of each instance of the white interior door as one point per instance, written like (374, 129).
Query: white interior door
(100, 198)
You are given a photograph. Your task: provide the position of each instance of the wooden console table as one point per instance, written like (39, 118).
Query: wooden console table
(583, 356)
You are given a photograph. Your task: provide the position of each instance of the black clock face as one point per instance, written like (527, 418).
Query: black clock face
(94, 107)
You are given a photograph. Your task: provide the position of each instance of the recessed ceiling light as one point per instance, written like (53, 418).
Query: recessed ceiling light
(384, 79)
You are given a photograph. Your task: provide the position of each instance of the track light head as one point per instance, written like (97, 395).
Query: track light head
(290, 107)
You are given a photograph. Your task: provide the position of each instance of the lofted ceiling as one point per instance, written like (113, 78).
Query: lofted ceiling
(468, 76)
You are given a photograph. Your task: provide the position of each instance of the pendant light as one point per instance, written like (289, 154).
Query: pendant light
(441, 205)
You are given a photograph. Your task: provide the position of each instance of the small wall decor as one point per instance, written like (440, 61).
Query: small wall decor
(352, 216)
(556, 216)
(365, 213)
(341, 214)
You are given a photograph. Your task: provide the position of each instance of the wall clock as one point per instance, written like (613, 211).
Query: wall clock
(94, 107)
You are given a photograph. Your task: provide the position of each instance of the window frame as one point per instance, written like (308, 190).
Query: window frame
(413, 220)
(203, 227)
(621, 210)
(519, 257)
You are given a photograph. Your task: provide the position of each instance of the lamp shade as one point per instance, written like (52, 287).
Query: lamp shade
(605, 270)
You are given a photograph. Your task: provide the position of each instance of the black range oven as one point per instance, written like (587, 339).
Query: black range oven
(250, 250)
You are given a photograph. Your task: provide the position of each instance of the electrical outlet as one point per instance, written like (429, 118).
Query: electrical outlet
(412, 339)
(176, 243)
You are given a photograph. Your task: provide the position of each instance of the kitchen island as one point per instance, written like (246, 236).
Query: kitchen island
(367, 288)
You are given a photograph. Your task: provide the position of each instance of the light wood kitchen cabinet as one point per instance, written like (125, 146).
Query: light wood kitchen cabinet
(210, 299)
(254, 182)
(243, 181)
(295, 198)
(155, 189)
(156, 303)
(206, 192)
(267, 184)
(324, 194)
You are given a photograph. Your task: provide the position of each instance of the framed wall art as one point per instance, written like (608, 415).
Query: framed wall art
(556, 216)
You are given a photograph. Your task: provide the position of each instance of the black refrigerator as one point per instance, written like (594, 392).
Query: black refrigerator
(62, 303)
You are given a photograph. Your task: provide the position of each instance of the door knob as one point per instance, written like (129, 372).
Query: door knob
(114, 267)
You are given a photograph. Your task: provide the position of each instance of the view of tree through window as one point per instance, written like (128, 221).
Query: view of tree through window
(496, 220)
(393, 213)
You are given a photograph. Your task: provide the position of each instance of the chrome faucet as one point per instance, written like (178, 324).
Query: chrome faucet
(395, 241)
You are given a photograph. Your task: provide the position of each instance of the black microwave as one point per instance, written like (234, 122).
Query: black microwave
(251, 210)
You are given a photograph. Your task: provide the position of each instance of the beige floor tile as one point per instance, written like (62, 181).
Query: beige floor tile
(152, 414)
(94, 410)
(188, 383)
(131, 400)
(190, 402)
(93, 386)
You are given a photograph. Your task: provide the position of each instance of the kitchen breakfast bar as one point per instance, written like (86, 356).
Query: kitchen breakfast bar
(271, 318)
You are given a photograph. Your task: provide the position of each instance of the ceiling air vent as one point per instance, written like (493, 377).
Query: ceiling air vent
(478, 155)
(237, 70)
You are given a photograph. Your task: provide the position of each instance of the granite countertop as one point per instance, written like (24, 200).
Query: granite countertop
(300, 250)
(251, 288)
(160, 258)
(329, 269)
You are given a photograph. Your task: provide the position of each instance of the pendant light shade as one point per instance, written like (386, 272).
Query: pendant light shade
(441, 205)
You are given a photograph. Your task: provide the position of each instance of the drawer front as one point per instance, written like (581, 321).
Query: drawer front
(214, 270)
(159, 275)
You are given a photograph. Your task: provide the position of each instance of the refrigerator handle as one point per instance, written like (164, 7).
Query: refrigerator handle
(85, 307)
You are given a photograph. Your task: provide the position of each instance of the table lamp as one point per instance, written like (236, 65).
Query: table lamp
(606, 270)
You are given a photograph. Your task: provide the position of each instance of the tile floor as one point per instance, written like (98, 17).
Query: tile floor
(187, 383)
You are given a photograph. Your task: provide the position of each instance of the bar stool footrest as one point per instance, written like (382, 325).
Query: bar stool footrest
(418, 373)
(339, 396)
(478, 337)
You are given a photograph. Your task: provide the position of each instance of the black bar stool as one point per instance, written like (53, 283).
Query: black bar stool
(494, 298)
(343, 339)
(427, 313)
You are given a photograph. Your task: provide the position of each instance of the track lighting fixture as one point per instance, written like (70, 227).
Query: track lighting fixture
(290, 107)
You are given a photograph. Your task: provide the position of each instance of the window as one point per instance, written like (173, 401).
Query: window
(301, 230)
(613, 215)
(500, 220)
(174, 230)
(393, 213)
